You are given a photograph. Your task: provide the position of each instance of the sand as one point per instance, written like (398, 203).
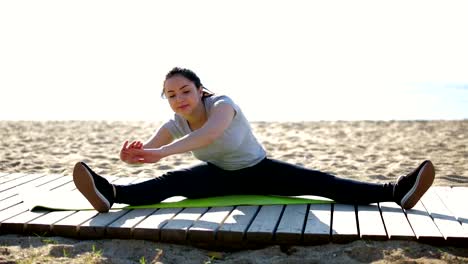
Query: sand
(364, 150)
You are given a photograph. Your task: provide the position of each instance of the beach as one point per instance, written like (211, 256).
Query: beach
(376, 151)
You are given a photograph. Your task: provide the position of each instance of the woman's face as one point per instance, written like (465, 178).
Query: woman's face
(182, 94)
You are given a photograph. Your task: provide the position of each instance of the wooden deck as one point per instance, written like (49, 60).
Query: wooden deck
(441, 217)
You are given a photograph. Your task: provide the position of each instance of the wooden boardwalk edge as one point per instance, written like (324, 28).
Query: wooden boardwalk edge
(441, 217)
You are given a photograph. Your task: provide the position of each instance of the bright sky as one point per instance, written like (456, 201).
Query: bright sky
(286, 60)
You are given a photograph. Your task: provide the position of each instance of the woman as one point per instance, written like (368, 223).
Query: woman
(216, 131)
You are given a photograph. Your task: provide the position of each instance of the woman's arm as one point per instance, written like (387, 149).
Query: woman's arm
(160, 138)
(219, 120)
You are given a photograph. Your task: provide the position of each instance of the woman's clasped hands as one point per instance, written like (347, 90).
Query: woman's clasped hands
(134, 153)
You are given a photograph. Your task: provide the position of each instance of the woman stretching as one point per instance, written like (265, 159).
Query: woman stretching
(216, 131)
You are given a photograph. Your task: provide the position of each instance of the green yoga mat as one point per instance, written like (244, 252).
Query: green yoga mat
(62, 201)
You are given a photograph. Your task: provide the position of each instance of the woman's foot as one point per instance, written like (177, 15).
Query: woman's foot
(97, 190)
(410, 188)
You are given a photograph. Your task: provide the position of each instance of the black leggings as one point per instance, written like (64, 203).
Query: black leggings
(268, 177)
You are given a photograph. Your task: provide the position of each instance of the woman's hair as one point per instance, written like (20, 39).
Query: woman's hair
(189, 75)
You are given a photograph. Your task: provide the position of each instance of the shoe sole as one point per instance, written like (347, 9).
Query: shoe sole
(84, 182)
(423, 182)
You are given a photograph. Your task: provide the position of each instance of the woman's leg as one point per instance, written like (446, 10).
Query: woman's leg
(202, 180)
(268, 177)
(281, 178)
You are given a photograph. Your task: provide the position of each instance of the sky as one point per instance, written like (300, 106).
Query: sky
(286, 60)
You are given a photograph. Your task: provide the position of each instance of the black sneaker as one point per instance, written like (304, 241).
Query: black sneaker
(97, 190)
(410, 188)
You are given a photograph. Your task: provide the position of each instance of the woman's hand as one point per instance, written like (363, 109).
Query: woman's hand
(127, 156)
(146, 155)
(136, 154)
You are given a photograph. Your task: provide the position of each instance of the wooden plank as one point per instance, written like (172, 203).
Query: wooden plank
(62, 182)
(10, 190)
(395, 222)
(424, 228)
(206, 227)
(19, 181)
(9, 202)
(292, 222)
(150, 228)
(211, 224)
(29, 186)
(123, 227)
(370, 222)
(460, 194)
(14, 201)
(17, 206)
(176, 228)
(11, 212)
(236, 224)
(18, 223)
(52, 178)
(344, 225)
(448, 225)
(43, 223)
(263, 226)
(455, 200)
(15, 195)
(95, 227)
(318, 224)
(70, 226)
(11, 177)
